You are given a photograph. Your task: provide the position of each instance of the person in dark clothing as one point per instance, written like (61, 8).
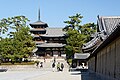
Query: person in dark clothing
(37, 63)
(53, 66)
(41, 64)
(54, 60)
(62, 66)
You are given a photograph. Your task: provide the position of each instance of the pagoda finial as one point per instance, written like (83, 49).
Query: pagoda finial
(39, 14)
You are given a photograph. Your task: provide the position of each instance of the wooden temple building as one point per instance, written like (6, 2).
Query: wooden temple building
(49, 41)
(104, 48)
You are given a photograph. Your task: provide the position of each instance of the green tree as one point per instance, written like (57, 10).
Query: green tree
(19, 44)
(87, 30)
(3, 26)
(74, 22)
(77, 34)
(74, 41)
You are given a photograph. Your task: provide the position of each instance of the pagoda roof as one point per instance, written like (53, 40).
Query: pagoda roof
(39, 42)
(52, 45)
(39, 23)
(37, 30)
(35, 36)
(54, 32)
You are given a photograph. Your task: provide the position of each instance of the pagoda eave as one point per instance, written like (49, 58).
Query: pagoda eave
(50, 36)
(37, 30)
(51, 45)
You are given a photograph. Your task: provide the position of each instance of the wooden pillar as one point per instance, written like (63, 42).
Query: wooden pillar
(117, 70)
(104, 61)
(59, 51)
(51, 51)
(99, 62)
(95, 62)
(107, 69)
(45, 53)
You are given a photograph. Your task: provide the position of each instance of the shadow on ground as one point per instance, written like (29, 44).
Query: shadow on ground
(86, 75)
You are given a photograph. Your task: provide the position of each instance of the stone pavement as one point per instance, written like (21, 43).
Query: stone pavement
(31, 72)
(37, 75)
(65, 75)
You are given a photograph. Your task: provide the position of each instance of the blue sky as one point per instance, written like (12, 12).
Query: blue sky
(54, 12)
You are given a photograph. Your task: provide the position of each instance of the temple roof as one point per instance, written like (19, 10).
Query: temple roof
(114, 35)
(54, 32)
(91, 44)
(106, 26)
(81, 55)
(51, 45)
(108, 23)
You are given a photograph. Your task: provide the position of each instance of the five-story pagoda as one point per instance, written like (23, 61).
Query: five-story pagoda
(49, 41)
(38, 28)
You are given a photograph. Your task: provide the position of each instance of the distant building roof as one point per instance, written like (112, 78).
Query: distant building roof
(54, 32)
(81, 55)
(51, 45)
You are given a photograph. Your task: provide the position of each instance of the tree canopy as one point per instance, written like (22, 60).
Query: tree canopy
(74, 22)
(77, 34)
(19, 44)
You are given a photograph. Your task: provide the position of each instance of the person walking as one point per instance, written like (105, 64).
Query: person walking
(54, 60)
(53, 66)
(44, 60)
(37, 63)
(41, 64)
(58, 66)
(62, 66)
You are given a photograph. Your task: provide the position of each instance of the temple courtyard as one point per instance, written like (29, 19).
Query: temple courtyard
(47, 75)
(31, 72)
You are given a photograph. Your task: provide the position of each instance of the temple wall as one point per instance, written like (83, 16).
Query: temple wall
(91, 64)
(107, 61)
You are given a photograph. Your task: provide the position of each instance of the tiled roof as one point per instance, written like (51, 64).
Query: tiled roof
(114, 35)
(106, 26)
(108, 23)
(91, 44)
(54, 32)
(39, 42)
(37, 30)
(51, 45)
(81, 55)
(39, 23)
